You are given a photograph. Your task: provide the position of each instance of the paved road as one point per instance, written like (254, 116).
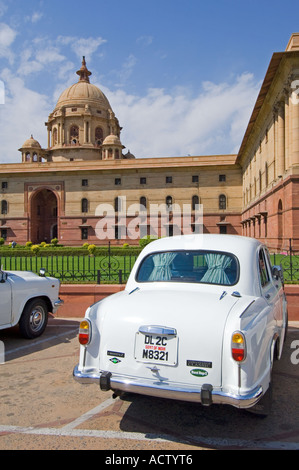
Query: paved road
(42, 407)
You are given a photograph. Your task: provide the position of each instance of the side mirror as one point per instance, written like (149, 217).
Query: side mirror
(277, 273)
(42, 272)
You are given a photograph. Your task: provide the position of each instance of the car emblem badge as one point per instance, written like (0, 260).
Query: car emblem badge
(199, 372)
(115, 360)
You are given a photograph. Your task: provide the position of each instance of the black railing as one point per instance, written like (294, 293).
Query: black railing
(289, 261)
(106, 268)
(110, 268)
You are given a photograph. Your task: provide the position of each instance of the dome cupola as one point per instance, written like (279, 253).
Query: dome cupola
(82, 119)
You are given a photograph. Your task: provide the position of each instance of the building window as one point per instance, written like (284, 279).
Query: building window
(4, 207)
(168, 202)
(142, 180)
(4, 233)
(74, 135)
(222, 201)
(168, 179)
(195, 202)
(117, 181)
(99, 136)
(222, 178)
(84, 182)
(117, 204)
(84, 233)
(142, 201)
(4, 185)
(84, 205)
(195, 179)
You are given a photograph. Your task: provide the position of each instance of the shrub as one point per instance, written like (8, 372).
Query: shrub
(146, 240)
(85, 245)
(35, 249)
(29, 244)
(54, 241)
(126, 245)
(91, 249)
(2, 241)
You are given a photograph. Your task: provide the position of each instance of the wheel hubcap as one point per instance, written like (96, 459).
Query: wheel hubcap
(37, 319)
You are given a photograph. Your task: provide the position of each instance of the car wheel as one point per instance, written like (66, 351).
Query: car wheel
(34, 319)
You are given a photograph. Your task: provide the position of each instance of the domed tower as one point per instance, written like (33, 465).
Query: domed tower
(32, 151)
(81, 121)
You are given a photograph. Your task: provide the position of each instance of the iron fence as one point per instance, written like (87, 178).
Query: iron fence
(110, 268)
(289, 261)
(98, 269)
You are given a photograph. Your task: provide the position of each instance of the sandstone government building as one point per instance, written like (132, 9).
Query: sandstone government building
(55, 192)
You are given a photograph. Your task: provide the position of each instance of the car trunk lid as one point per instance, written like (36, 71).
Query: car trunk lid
(169, 335)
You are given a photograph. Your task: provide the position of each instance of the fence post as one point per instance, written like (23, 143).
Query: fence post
(98, 276)
(120, 276)
(291, 260)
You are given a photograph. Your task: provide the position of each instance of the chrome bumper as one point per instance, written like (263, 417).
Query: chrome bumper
(205, 395)
(56, 304)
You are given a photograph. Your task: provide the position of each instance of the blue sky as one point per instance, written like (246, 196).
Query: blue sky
(181, 76)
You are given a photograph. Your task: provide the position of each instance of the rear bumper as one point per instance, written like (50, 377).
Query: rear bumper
(205, 395)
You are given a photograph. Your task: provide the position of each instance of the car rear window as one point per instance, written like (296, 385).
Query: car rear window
(207, 267)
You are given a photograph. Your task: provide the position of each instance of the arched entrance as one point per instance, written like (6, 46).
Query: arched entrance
(43, 220)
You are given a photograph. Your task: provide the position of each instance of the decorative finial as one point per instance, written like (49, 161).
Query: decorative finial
(83, 73)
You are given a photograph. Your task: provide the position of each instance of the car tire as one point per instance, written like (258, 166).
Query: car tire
(34, 319)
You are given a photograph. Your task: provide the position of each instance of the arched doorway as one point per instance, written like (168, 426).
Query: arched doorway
(43, 220)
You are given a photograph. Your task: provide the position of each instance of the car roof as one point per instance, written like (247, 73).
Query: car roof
(230, 243)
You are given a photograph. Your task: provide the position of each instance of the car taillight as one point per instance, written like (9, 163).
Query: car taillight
(238, 346)
(85, 332)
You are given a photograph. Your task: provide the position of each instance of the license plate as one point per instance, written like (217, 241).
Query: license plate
(154, 348)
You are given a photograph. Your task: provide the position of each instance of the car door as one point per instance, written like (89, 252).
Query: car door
(269, 289)
(5, 296)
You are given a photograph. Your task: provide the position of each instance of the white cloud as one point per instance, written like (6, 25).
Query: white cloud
(81, 46)
(24, 113)
(7, 37)
(164, 124)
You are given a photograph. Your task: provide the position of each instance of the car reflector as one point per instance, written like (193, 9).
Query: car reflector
(85, 332)
(238, 346)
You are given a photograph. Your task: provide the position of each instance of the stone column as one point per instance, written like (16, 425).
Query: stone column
(280, 167)
(295, 121)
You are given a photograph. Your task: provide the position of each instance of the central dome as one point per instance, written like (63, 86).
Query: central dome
(83, 92)
(80, 123)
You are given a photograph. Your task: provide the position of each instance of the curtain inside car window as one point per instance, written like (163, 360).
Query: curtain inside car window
(162, 267)
(217, 264)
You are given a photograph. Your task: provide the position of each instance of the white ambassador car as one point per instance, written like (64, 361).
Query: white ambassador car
(201, 319)
(26, 299)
